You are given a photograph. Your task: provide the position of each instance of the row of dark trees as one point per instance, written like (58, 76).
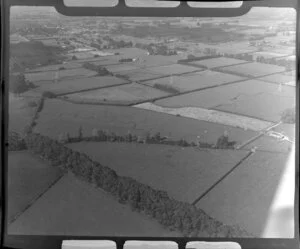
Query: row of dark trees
(16, 142)
(101, 71)
(174, 215)
(156, 49)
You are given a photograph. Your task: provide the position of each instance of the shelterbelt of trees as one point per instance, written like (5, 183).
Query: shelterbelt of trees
(172, 214)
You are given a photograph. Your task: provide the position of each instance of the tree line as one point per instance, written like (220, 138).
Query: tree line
(172, 214)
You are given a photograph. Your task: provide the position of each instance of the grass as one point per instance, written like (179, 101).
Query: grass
(218, 62)
(184, 173)
(28, 177)
(246, 195)
(125, 94)
(73, 207)
(194, 81)
(59, 116)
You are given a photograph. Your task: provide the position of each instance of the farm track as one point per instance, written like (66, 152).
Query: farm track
(32, 202)
(222, 178)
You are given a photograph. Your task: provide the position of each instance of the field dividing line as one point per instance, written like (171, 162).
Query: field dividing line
(261, 133)
(221, 178)
(35, 199)
(94, 88)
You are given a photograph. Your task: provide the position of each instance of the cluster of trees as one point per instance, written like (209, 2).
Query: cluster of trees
(156, 49)
(289, 116)
(18, 83)
(15, 142)
(173, 214)
(29, 128)
(224, 143)
(114, 44)
(101, 71)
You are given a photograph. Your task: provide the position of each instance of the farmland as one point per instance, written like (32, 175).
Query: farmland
(60, 117)
(211, 98)
(254, 69)
(125, 94)
(50, 76)
(70, 198)
(194, 81)
(260, 190)
(217, 62)
(266, 105)
(184, 173)
(152, 126)
(69, 86)
(22, 190)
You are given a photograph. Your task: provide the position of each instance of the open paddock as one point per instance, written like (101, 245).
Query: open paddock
(246, 195)
(279, 78)
(173, 69)
(254, 69)
(184, 174)
(96, 213)
(140, 74)
(214, 97)
(265, 106)
(194, 81)
(28, 177)
(217, 62)
(83, 84)
(125, 94)
(59, 117)
(39, 78)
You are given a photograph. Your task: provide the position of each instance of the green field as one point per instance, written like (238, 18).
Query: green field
(140, 74)
(279, 78)
(266, 106)
(69, 86)
(173, 69)
(185, 173)
(48, 76)
(72, 207)
(211, 98)
(246, 195)
(60, 117)
(28, 177)
(125, 94)
(217, 62)
(121, 67)
(193, 81)
(254, 69)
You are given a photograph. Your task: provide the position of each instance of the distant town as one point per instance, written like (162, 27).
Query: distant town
(126, 126)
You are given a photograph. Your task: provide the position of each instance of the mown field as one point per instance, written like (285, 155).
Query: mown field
(254, 69)
(73, 207)
(125, 94)
(246, 195)
(211, 98)
(28, 177)
(266, 106)
(194, 81)
(185, 173)
(140, 74)
(60, 117)
(278, 78)
(217, 62)
(69, 86)
(173, 69)
(48, 76)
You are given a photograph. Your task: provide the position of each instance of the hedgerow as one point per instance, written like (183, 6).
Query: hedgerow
(173, 214)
